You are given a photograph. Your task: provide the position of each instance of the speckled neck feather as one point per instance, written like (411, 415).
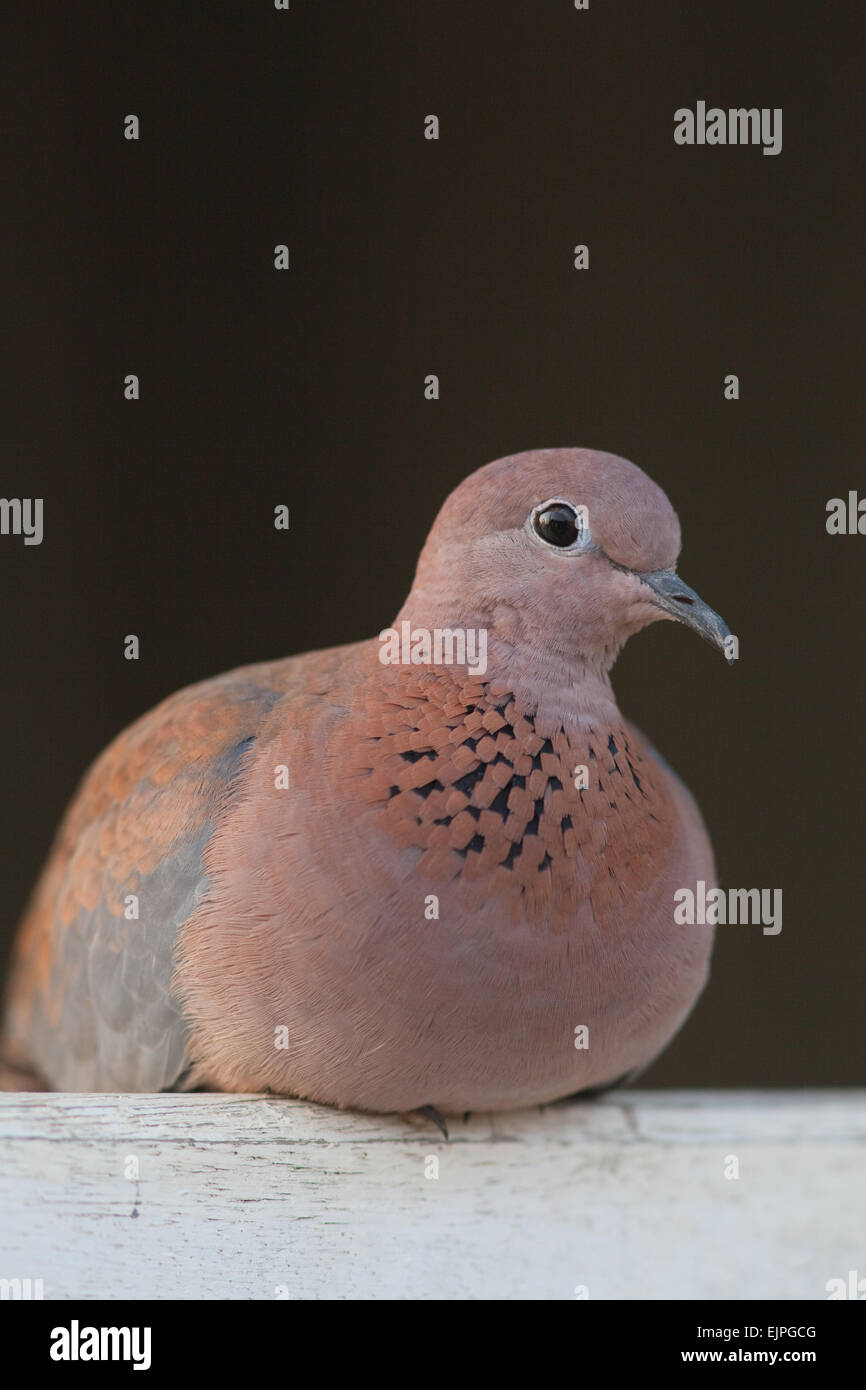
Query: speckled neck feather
(465, 778)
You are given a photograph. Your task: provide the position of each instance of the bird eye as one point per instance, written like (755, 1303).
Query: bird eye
(558, 523)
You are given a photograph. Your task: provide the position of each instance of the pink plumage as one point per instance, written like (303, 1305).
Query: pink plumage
(388, 884)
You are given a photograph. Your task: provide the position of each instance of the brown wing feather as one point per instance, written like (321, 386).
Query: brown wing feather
(89, 1004)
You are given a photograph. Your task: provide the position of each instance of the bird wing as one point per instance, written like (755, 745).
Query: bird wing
(691, 821)
(90, 1005)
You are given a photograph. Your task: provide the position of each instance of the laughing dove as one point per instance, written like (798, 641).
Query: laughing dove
(431, 869)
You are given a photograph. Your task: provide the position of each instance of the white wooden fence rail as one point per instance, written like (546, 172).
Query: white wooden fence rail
(631, 1196)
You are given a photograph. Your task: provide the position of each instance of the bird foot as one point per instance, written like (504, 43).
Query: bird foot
(429, 1112)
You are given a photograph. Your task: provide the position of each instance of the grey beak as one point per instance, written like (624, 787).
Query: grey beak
(676, 598)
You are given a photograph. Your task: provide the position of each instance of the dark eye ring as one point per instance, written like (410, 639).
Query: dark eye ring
(559, 524)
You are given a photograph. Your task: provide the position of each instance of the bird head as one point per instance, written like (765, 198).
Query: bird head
(569, 551)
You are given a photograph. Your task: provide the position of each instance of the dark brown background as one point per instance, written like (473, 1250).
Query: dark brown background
(411, 257)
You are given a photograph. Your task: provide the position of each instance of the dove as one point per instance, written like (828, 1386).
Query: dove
(384, 876)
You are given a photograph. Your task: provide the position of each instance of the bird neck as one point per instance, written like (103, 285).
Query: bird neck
(505, 654)
(476, 775)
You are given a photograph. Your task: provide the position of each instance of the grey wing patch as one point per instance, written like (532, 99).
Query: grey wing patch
(121, 1027)
(108, 1020)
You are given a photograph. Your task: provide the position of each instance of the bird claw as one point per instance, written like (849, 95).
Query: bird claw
(431, 1113)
